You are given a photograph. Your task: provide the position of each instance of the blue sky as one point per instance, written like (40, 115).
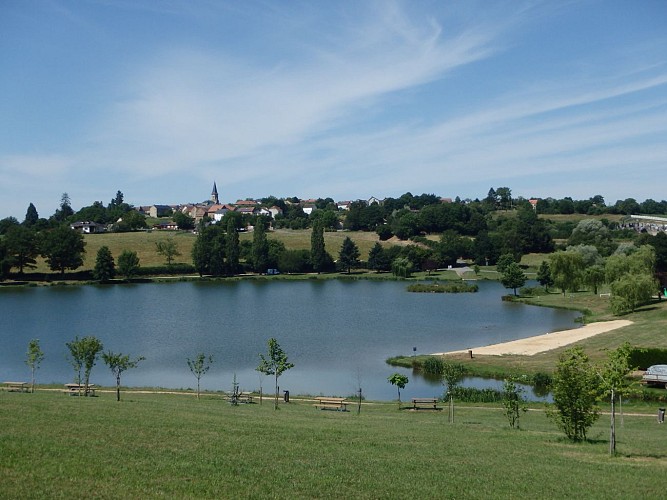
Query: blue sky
(348, 99)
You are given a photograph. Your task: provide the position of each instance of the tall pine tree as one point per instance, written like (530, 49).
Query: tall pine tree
(232, 244)
(260, 247)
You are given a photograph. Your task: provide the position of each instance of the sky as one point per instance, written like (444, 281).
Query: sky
(341, 99)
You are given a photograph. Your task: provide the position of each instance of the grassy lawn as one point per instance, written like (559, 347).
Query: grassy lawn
(159, 445)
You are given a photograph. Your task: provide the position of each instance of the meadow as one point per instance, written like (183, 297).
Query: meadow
(152, 445)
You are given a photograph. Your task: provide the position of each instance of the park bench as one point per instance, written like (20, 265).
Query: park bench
(425, 404)
(16, 386)
(76, 389)
(338, 404)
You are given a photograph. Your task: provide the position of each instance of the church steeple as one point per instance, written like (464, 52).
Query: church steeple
(214, 194)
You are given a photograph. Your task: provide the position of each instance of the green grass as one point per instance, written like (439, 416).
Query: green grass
(174, 446)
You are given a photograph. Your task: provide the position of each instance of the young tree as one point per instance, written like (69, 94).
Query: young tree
(575, 388)
(317, 251)
(260, 247)
(168, 249)
(274, 363)
(83, 355)
(199, 366)
(232, 247)
(513, 402)
(544, 275)
(128, 263)
(105, 267)
(348, 257)
(63, 249)
(33, 359)
(513, 277)
(118, 363)
(614, 383)
(400, 381)
(452, 375)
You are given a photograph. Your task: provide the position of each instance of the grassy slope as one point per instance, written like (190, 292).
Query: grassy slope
(144, 244)
(171, 446)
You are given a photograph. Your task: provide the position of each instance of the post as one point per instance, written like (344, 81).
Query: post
(359, 405)
(612, 435)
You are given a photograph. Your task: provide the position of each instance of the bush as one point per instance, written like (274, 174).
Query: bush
(448, 288)
(643, 358)
(474, 395)
(174, 269)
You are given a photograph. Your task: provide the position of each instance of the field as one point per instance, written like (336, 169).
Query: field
(166, 445)
(143, 242)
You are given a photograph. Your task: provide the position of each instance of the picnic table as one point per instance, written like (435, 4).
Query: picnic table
(425, 404)
(76, 389)
(16, 386)
(326, 403)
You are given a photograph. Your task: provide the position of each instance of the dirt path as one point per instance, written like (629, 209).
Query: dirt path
(533, 345)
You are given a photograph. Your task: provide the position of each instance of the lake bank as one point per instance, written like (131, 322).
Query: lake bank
(542, 343)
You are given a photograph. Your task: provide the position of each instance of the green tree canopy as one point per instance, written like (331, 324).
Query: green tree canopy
(105, 267)
(348, 257)
(513, 277)
(63, 248)
(575, 388)
(274, 363)
(128, 264)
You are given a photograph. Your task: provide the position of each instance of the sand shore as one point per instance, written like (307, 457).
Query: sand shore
(541, 343)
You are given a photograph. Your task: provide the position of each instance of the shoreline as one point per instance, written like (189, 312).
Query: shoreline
(530, 346)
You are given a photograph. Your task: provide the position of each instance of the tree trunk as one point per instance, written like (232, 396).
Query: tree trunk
(612, 430)
(118, 387)
(275, 402)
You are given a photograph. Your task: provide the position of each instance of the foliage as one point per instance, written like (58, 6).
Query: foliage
(400, 381)
(513, 401)
(274, 363)
(118, 363)
(378, 259)
(34, 358)
(504, 261)
(433, 365)
(183, 221)
(613, 382)
(592, 232)
(105, 267)
(63, 249)
(513, 277)
(594, 276)
(575, 388)
(566, 270)
(632, 291)
(402, 267)
(317, 250)
(199, 366)
(21, 246)
(128, 264)
(232, 249)
(168, 249)
(31, 216)
(83, 355)
(260, 247)
(452, 375)
(447, 288)
(348, 257)
(644, 357)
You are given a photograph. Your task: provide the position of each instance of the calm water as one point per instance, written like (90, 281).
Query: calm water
(337, 333)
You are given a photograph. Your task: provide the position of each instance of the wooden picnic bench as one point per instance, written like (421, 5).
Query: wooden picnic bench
(338, 404)
(76, 389)
(16, 386)
(425, 404)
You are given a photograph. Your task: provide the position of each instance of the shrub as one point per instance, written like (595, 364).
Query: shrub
(433, 365)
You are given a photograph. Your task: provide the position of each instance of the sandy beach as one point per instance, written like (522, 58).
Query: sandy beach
(546, 342)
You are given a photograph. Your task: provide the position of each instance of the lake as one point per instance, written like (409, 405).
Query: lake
(338, 333)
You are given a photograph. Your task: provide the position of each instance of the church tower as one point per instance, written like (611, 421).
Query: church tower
(214, 194)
